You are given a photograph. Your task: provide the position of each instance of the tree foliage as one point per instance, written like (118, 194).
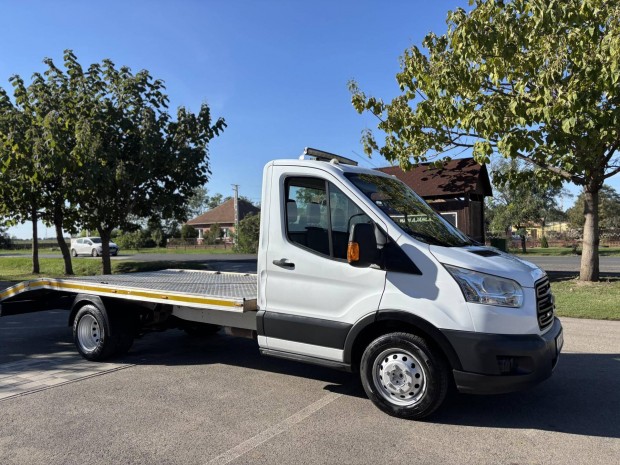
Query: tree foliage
(188, 232)
(517, 203)
(609, 209)
(537, 80)
(248, 234)
(100, 140)
(130, 240)
(213, 235)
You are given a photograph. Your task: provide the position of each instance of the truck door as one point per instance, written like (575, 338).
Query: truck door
(313, 296)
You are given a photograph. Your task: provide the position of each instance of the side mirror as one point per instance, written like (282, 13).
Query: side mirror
(362, 248)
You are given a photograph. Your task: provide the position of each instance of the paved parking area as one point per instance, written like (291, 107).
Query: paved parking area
(180, 400)
(40, 372)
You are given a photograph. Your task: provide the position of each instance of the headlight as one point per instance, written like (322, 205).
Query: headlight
(487, 289)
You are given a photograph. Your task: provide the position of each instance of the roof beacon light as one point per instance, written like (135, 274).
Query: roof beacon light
(321, 155)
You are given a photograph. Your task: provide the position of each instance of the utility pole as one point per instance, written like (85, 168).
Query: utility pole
(236, 189)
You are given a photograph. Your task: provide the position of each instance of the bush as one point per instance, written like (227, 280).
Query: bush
(248, 234)
(188, 232)
(213, 234)
(130, 240)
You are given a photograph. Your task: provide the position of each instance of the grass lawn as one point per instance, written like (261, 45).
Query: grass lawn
(600, 301)
(19, 268)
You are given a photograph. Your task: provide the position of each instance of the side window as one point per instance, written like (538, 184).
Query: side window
(319, 216)
(344, 214)
(307, 220)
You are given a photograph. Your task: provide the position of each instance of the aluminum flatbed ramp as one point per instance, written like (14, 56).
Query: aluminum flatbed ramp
(201, 289)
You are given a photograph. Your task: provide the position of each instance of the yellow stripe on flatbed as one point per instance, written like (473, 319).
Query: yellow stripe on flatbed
(155, 296)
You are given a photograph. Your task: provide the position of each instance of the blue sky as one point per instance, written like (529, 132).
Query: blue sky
(276, 70)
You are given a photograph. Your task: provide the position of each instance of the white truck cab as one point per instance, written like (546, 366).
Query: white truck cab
(418, 303)
(355, 271)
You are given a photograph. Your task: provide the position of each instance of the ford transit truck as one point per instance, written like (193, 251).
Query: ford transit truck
(355, 272)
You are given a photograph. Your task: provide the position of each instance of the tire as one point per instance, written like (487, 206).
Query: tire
(200, 329)
(404, 376)
(94, 253)
(98, 337)
(73, 253)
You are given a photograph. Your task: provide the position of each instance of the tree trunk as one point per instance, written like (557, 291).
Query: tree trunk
(105, 252)
(35, 240)
(589, 255)
(523, 244)
(66, 253)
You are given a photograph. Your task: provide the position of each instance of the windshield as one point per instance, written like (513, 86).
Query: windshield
(408, 210)
(96, 240)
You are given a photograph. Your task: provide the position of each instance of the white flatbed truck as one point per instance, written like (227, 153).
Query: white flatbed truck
(356, 272)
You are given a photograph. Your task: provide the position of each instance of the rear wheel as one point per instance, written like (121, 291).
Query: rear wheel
(99, 337)
(404, 376)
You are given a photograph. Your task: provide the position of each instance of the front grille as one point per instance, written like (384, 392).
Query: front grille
(544, 303)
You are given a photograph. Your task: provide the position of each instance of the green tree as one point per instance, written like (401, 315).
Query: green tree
(130, 240)
(197, 204)
(5, 240)
(188, 232)
(20, 144)
(214, 234)
(214, 201)
(248, 234)
(41, 137)
(608, 209)
(536, 80)
(516, 202)
(137, 160)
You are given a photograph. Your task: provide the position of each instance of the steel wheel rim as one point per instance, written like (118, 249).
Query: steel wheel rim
(89, 333)
(399, 377)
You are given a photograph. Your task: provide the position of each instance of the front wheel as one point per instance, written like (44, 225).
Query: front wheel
(404, 376)
(94, 253)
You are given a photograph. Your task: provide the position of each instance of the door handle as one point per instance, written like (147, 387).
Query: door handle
(284, 264)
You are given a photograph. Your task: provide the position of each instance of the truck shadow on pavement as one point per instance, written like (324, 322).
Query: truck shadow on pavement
(580, 398)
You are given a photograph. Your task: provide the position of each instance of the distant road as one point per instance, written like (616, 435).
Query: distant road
(572, 263)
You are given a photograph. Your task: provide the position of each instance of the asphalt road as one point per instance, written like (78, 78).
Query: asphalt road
(179, 400)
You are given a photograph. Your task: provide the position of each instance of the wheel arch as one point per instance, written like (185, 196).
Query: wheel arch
(80, 301)
(382, 322)
(106, 305)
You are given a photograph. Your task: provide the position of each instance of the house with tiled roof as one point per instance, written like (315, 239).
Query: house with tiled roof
(224, 216)
(456, 191)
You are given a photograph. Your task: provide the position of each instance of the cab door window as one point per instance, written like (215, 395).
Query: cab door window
(319, 216)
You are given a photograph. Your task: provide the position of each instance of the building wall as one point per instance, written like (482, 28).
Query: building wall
(469, 215)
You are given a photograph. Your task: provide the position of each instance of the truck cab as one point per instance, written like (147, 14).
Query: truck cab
(356, 271)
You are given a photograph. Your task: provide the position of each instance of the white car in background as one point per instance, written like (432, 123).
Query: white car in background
(91, 246)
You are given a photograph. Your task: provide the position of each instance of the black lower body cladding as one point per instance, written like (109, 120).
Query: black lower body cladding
(501, 363)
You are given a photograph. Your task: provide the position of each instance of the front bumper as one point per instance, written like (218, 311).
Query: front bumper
(500, 363)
